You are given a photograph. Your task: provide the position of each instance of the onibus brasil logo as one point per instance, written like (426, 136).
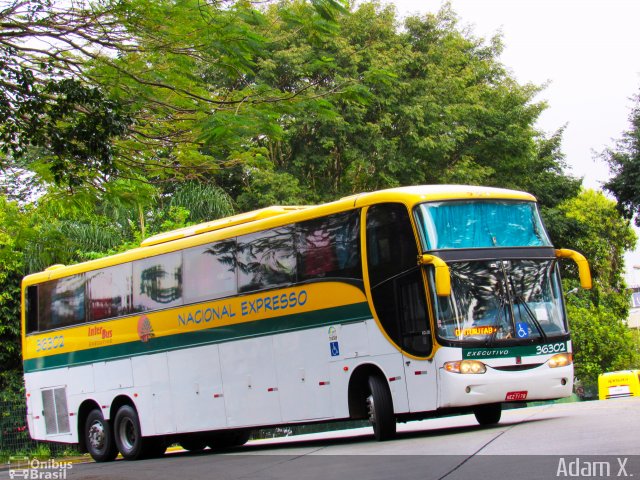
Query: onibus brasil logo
(23, 467)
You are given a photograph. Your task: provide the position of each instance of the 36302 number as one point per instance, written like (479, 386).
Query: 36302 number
(551, 348)
(49, 343)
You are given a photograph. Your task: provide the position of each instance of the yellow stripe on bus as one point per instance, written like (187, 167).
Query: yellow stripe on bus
(201, 316)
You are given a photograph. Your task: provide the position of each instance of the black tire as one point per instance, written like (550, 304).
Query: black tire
(193, 444)
(228, 439)
(154, 447)
(127, 434)
(488, 414)
(380, 409)
(98, 437)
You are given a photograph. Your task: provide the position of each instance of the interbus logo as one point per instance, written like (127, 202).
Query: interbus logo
(145, 330)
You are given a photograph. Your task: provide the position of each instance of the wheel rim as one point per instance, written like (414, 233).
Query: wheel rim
(371, 409)
(127, 434)
(96, 435)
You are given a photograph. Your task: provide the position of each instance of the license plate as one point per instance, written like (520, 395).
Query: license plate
(511, 396)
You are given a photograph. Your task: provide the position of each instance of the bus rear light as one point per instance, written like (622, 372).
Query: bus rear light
(560, 360)
(465, 367)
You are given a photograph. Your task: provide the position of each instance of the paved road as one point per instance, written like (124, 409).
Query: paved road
(579, 440)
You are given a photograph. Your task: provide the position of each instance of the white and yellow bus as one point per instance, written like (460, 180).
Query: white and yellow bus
(393, 305)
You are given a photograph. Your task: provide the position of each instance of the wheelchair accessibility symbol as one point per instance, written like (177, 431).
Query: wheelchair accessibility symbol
(335, 349)
(522, 330)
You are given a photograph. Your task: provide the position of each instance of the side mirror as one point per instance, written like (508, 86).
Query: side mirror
(443, 277)
(583, 266)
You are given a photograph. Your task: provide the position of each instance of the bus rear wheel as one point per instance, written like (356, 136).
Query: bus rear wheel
(99, 437)
(488, 414)
(129, 439)
(380, 409)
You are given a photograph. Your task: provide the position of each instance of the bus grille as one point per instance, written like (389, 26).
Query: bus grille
(517, 368)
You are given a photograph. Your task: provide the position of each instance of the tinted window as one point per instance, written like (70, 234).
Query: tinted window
(32, 308)
(157, 282)
(62, 302)
(210, 271)
(330, 247)
(266, 259)
(391, 245)
(397, 286)
(109, 292)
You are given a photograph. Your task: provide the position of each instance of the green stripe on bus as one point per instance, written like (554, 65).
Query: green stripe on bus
(289, 323)
(517, 351)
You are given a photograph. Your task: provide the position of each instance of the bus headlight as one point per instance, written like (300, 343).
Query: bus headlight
(560, 360)
(465, 366)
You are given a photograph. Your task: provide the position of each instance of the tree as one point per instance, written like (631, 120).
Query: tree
(425, 104)
(12, 233)
(45, 99)
(624, 162)
(131, 88)
(591, 224)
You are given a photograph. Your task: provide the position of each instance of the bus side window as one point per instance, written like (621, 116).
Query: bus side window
(61, 302)
(157, 282)
(266, 259)
(210, 271)
(109, 292)
(329, 247)
(32, 308)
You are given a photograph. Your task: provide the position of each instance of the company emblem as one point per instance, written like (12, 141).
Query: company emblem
(145, 330)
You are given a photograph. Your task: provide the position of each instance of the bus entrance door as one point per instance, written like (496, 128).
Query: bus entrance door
(421, 382)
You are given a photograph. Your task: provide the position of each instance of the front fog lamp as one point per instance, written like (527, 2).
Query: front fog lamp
(560, 360)
(465, 366)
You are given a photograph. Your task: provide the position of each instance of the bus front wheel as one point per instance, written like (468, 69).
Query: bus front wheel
(488, 414)
(99, 437)
(380, 409)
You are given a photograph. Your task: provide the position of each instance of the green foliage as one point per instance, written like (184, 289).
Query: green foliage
(601, 340)
(203, 202)
(45, 102)
(624, 161)
(11, 268)
(591, 224)
(266, 188)
(427, 104)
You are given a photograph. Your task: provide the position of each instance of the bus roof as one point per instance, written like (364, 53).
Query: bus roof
(275, 216)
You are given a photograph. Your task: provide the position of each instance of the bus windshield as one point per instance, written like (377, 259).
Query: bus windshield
(501, 300)
(481, 224)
